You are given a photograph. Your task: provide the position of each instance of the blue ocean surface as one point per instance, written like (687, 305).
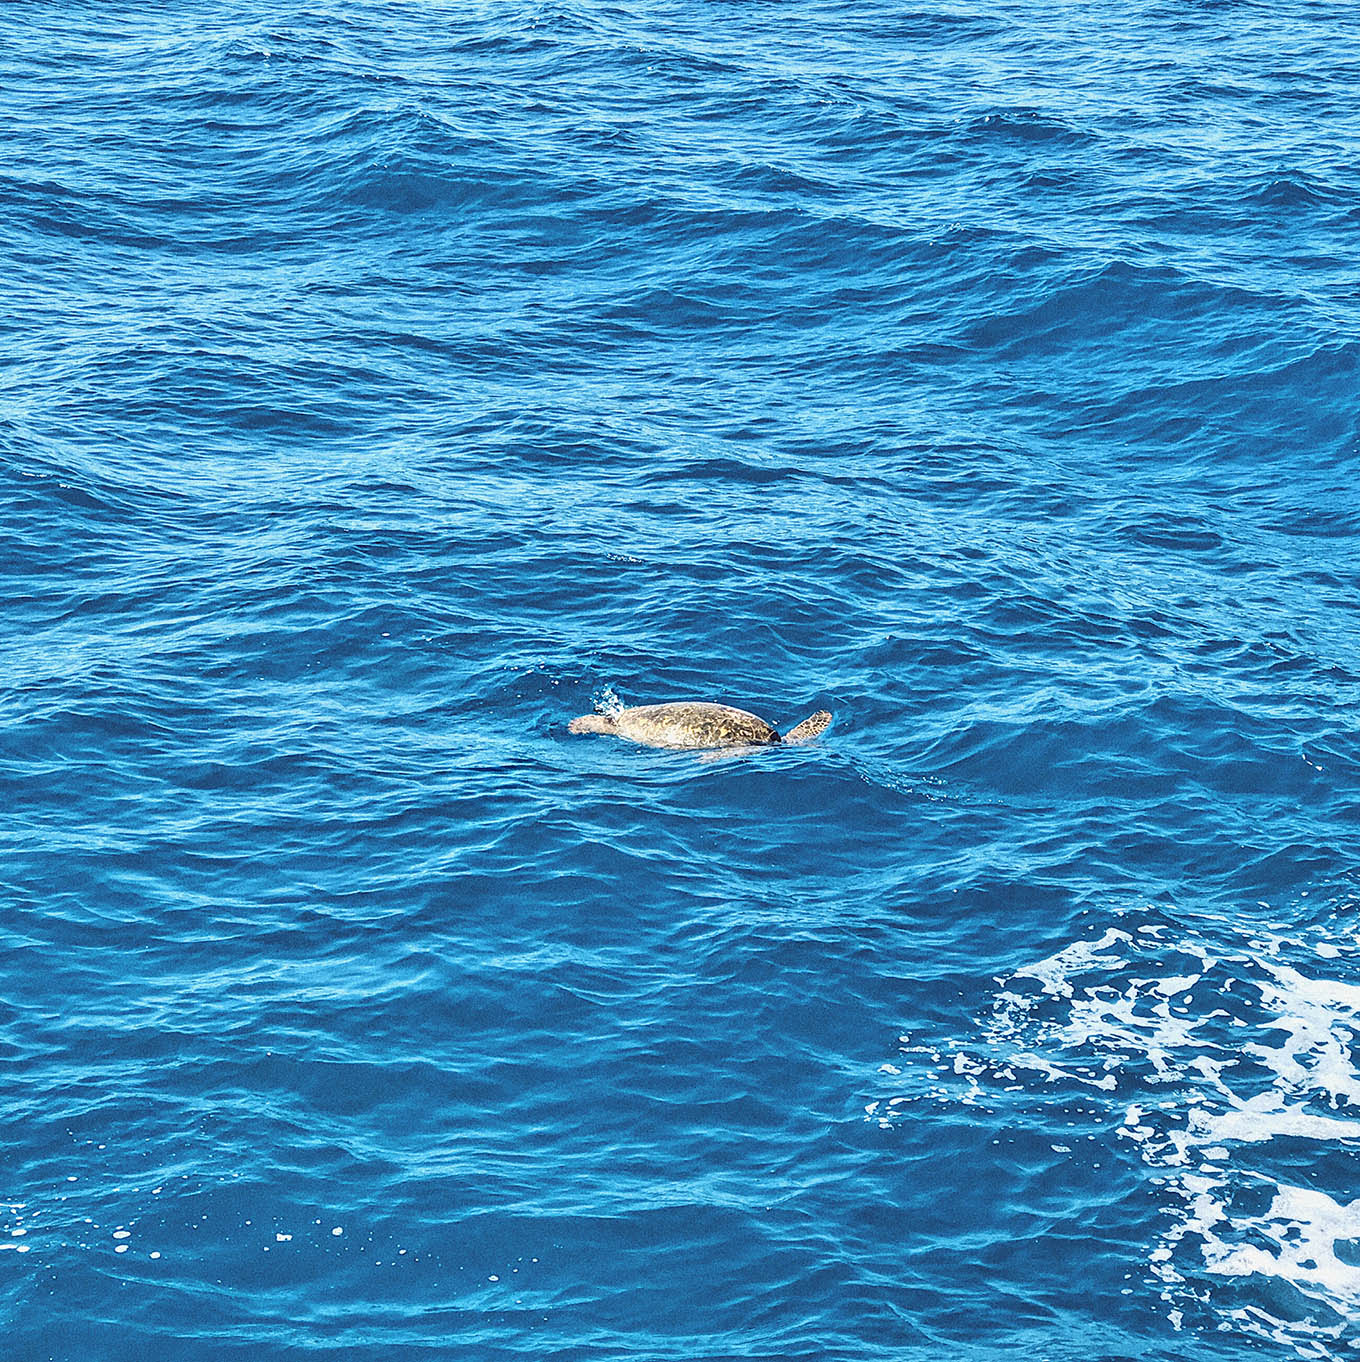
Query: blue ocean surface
(384, 385)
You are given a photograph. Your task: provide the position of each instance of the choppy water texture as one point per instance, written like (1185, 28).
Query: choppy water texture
(384, 385)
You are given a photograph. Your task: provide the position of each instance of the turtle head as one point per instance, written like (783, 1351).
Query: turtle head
(592, 723)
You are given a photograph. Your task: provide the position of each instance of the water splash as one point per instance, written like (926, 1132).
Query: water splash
(606, 701)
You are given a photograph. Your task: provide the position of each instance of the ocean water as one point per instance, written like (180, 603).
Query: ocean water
(384, 385)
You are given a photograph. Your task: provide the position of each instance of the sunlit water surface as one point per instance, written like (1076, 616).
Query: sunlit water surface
(384, 385)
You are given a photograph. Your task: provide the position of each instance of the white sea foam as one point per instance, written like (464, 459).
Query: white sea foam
(1231, 1070)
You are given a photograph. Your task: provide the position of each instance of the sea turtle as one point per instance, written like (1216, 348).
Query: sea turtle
(695, 723)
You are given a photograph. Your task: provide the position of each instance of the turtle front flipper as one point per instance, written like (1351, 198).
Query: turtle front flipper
(810, 727)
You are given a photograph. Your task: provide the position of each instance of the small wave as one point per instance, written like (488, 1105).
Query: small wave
(1028, 125)
(1292, 190)
(1173, 530)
